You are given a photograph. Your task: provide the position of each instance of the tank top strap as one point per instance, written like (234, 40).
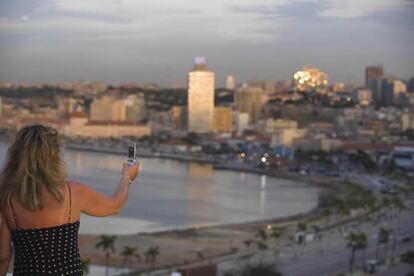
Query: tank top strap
(70, 202)
(13, 212)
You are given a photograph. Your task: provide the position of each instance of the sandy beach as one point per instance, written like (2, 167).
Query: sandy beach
(185, 246)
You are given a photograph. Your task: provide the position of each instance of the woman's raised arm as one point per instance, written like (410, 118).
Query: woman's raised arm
(99, 205)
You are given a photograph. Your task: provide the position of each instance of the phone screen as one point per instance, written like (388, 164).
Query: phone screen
(131, 152)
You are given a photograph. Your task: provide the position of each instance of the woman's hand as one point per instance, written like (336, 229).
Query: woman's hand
(131, 170)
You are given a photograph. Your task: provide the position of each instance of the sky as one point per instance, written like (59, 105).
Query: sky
(120, 41)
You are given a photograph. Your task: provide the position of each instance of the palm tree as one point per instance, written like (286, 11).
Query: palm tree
(261, 245)
(362, 245)
(302, 226)
(383, 238)
(352, 239)
(128, 253)
(370, 204)
(261, 234)
(106, 242)
(151, 254)
(248, 243)
(343, 209)
(408, 258)
(277, 232)
(398, 203)
(316, 230)
(84, 264)
(327, 213)
(386, 204)
(356, 241)
(200, 254)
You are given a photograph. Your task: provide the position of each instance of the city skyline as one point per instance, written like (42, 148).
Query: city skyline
(126, 41)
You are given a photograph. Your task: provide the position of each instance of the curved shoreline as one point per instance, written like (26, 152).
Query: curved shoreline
(141, 154)
(328, 184)
(317, 180)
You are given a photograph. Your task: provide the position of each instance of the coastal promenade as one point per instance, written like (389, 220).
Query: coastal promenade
(330, 255)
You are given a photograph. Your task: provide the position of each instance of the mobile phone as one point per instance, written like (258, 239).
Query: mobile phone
(132, 154)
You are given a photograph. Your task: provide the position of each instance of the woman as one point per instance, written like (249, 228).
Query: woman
(40, 209)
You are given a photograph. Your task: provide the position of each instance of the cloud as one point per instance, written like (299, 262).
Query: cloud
(25, 18)
(157, 20)
(338, 9)
(350, 9)
(220, 21)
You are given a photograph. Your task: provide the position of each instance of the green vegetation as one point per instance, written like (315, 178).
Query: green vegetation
(248, 243)
(408, 258)
(383, 238)
(356, 241)
(128, 253)
(327, 212)
(84, 265)
(365, 160)
(261, 234)
(107, 244)
(277, 233)
(192, 138)
(302, 226)
(152, 254)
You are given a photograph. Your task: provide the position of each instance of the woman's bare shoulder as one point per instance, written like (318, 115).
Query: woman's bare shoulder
(77, 186)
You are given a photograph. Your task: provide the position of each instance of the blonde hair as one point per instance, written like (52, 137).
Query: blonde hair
(33, 160)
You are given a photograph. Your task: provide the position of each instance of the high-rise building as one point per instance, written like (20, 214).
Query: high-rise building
(393, 91)
(241, 121)
(108, 109)
(375, 85)
(249, 100)
(271, 126)
(178, 117)
(363, 96)
(230, 83)
(135, 108)
(200, 98)
(410, 85)
(407, 121)
(223, 119)
(400, 90)
(373, 72)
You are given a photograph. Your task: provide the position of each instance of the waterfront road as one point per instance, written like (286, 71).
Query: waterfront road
(330, 255)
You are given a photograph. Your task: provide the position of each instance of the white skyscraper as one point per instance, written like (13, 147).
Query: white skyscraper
(230, 82)
(200, 98)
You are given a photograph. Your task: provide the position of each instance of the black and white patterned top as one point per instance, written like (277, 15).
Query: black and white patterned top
(47, 251)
